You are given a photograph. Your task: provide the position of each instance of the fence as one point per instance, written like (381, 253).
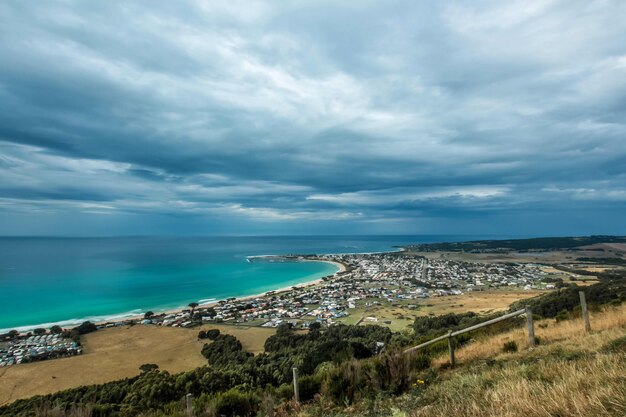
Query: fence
(529, 324)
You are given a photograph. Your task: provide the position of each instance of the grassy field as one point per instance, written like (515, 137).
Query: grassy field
(482, 302)
(550, 257)
(401, 317)
(606, 325)
(117, 353)
(570, 373)
(252, 338)
(571, 278)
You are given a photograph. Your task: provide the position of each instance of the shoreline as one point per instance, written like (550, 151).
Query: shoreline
(341, 268)
(138, 314)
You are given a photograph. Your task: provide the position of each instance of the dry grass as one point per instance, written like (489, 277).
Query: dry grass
(402, 318)
(477, 301)
(606, 325)
(592, 387)
(252, 338)
(117, 353)
(565, 376)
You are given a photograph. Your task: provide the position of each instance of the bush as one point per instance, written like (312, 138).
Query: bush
(285, 392)
(510, 347)
(212, 334)
(147, 367)
(236, 403)
(201, 334)
(308, 386)
(225, 350)
(336, 386)
(86, 327)
(562, 316)
(420, 362)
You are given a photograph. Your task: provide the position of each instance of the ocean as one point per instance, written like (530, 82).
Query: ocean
(44, 281)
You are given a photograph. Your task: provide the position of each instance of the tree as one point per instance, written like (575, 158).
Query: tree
(56, 329)
(283, 329)
(147, 367)
(212, 334)
(39, 331)
(86, 327)
(316, 325)
(193, 308)
(148, 314)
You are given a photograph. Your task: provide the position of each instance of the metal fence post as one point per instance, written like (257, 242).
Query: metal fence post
(296, 392)
(189, 399)
(583, 306)
(451, 348)
(531, 327)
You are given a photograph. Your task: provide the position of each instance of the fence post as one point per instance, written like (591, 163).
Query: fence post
(296, 392)
(583, 305)
(451, 348)
(531, 327)
(189, 399)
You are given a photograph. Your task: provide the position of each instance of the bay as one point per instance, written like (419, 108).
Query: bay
(47, 280)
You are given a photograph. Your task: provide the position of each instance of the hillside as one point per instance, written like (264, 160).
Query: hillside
(569, 374)
(532, 244)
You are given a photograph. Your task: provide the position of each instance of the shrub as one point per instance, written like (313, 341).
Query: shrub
(236, 403)
(202, 334)
(86, 327)
(336, 386)
(212, 334)
(308, 386)
(147, 367)
(420, 362)
(509, 347)
(285, 391)
(225, 350)
(562, 315)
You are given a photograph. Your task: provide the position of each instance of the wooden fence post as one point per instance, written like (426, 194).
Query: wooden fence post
(451, 348)
(583, 306)
(189, 399)
(296, 392)
(531, 327)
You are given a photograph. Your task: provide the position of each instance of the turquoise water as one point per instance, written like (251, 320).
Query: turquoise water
(62, 280)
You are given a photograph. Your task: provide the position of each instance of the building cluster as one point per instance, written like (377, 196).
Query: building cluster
(35, 348)
(369, 280)
(477, 276)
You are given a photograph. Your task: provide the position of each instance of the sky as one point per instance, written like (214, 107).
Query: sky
(312, 117)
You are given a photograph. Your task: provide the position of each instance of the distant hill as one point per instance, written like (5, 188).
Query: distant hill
(540, 243)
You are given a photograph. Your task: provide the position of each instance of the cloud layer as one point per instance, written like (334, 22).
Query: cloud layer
(313, 117)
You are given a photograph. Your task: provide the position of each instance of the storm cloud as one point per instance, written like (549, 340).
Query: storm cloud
(312, 117)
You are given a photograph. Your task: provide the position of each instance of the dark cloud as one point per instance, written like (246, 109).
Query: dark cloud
(353, 117)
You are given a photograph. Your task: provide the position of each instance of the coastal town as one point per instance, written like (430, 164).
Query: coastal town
(363, 282)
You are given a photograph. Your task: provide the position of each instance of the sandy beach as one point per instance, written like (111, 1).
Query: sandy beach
(341, 268)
